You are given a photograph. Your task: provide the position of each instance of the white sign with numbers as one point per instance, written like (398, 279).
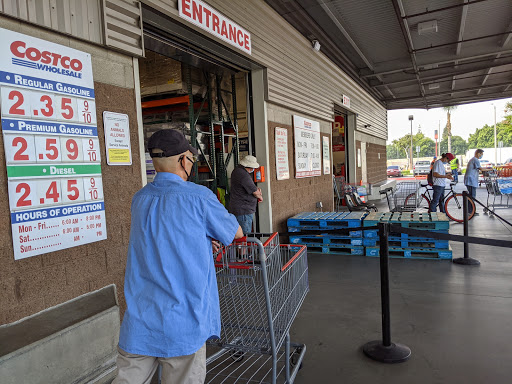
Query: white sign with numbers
(307, 147)
(52, 152)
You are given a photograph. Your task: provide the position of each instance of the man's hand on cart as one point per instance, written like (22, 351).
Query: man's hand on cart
(215, 246)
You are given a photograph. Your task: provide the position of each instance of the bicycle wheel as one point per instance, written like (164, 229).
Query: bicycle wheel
(453, 208)
(423, 205)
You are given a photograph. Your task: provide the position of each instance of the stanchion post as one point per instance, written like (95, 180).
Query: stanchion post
(466, 260)
(384, 350)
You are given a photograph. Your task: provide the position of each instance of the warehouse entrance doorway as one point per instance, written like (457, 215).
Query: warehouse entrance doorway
(205, 100)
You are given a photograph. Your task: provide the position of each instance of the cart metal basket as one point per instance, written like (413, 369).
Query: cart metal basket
(261, 288)
(406, 197)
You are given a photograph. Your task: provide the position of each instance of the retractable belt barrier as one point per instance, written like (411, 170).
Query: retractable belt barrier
(384, 350)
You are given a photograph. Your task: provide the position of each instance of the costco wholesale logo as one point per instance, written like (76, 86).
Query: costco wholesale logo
(31, 57)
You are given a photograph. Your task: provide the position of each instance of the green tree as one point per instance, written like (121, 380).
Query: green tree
(448, 128)
(484, 137)
(459, 146)
(399, 148)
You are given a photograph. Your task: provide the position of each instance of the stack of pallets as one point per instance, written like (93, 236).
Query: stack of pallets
(402, 245)
(348, 243)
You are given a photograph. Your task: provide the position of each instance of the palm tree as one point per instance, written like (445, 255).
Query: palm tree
(449, 110)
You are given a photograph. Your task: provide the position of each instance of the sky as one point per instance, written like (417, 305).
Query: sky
(465, 119)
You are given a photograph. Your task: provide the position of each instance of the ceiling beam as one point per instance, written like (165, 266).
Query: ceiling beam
(344, 32)
(441, 9)
(462, 27)
(399, 70)
(449, 101)
(461, 41)
(502, 44)
(404, 26)
(429, 96)
(439, 79)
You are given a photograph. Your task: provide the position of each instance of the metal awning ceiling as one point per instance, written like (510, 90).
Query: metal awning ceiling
(384, 46)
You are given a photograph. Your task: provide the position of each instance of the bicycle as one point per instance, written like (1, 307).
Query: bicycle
(452, 203)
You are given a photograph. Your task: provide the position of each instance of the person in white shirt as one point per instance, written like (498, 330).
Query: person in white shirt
(440, 176)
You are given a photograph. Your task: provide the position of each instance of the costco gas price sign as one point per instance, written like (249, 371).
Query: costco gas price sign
(52, 152)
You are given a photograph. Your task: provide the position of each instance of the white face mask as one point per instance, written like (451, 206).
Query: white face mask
(252, 170)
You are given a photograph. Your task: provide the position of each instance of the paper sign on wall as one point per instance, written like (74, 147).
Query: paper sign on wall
(117, 138)
(282, 166)
(52, 154)
(327, 155)
(307, 147)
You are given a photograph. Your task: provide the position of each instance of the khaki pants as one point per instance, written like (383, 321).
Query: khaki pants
(138, 369)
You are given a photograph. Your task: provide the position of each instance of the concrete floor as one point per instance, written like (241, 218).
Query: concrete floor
(457, 320)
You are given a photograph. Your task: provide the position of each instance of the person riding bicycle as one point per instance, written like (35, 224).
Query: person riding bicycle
(454, 166)
(440, 176)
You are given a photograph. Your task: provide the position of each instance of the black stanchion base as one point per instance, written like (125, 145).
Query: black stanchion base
(466, 261)
(395, 353)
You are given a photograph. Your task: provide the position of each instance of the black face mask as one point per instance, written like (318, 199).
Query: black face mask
(181, 163)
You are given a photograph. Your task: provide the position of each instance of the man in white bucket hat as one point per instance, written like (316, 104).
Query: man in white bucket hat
(244, 193)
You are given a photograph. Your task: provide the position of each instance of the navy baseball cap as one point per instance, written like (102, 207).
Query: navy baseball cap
(170, 142)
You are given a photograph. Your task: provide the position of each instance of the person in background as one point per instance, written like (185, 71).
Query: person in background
(455, 167)
(170, 285)
(471, 177)
(440, 176)
(245, 195)
(433, 161)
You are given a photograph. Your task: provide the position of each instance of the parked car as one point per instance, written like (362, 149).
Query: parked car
(394, 171)
(422, 167)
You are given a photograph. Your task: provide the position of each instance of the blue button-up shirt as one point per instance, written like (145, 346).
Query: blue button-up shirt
(170, 284)
(471, 176)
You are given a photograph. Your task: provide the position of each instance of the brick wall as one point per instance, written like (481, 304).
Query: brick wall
(33, 284)
(292, 196)
(376, 168)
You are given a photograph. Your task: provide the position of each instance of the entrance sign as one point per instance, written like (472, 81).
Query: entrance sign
(52, 154)
(327, 155)
(117, 138)
(307, 147)
(282, 166)
(215, 23)
(338, 134)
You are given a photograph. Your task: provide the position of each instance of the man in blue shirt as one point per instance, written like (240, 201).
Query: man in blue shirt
(170, 284)
(471, 176)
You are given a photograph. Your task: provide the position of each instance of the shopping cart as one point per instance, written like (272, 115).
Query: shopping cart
(497, 186)
(405, 197)
(262, 285)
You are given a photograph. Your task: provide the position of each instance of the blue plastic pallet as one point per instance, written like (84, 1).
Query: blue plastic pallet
(326, 240)
(349, 250)
(322, 220)
(413, 220)
(374, 233)
(412, 253)
(411, 242)
(348, 234)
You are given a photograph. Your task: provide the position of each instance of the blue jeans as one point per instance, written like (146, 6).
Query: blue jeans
(472, 193)
(455, 175)
(245, 222)
(438, 199)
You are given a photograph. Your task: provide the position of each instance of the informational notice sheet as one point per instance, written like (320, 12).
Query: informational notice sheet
(117, 138)
(52, 154)
(307, 147)
(282, 167)
(327, 155)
